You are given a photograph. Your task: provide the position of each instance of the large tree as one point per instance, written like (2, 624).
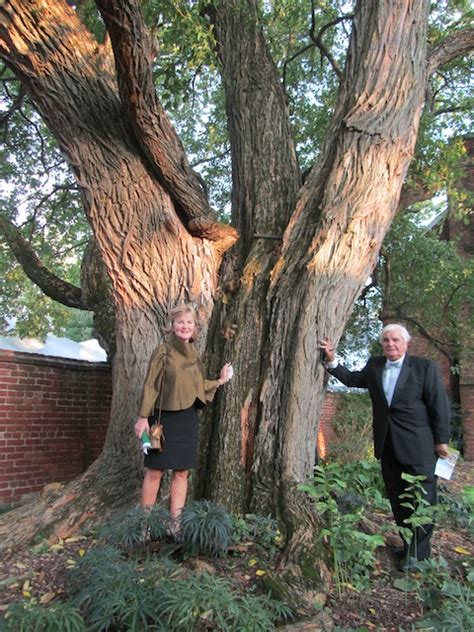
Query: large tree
(305, 245)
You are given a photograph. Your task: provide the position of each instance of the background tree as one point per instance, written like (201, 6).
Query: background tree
(307, 240)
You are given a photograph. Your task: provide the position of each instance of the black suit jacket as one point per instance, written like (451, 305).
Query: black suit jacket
(418, 416)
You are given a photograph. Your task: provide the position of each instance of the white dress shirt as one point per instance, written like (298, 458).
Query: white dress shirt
(390, 376)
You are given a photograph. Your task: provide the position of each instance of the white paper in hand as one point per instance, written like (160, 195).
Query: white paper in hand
(445, 467)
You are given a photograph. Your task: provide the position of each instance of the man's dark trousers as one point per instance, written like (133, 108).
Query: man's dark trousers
(394, 485)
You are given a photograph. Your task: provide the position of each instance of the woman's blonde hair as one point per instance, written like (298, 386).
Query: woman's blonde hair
(181, 308)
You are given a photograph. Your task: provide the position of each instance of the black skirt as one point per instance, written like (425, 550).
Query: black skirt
(180, 428)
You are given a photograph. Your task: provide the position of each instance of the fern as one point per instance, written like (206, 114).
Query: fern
(205, 528)
(25, 617)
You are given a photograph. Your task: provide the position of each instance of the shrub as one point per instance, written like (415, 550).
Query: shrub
(457, 439)
(447, 600)
(136, 527)
(421, 511)
(352, 549)
(453, 510)
(205, 528)
(210, 602)
(362, 479)
(107, 558)
(114, 593)
(352, 426)
(158, 522)
(27, 617)
(263, 530)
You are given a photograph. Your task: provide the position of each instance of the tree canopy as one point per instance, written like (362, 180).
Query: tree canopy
(41, 199)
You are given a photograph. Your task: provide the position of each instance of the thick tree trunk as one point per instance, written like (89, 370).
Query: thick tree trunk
(151, 258)
(267, 434)
(343, 212)
(266, 180)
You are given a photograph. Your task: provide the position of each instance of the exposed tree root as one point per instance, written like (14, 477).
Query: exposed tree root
(302, 577)
(61, 511)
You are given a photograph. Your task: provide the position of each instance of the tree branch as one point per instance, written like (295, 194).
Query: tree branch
(54, 287)
(414, 193)
(134, 52)
(366, 289)
(288, 61)
(318, 39)
(211, 159)
(47, 196)
(15, 106)
(449, 110)
(455, 45)
(387, 274)
(265, 171)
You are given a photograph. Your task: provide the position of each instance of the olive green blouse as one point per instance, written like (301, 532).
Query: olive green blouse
(183, 383)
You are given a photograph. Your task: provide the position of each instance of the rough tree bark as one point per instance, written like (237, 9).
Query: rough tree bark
(304, 251)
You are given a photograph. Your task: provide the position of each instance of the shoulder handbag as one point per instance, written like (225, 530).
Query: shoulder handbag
(157, 436)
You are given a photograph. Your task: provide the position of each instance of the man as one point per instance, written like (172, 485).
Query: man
(410, 423)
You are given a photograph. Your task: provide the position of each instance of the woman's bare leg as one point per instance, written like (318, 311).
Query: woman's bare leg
(178, 492)
(150, 487)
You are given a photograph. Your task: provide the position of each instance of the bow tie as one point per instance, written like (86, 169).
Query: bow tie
(393, 364)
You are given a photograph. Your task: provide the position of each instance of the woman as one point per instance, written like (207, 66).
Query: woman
(176, 385)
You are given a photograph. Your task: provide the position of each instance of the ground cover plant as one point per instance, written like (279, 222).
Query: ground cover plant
(340, 499)
(130, 574)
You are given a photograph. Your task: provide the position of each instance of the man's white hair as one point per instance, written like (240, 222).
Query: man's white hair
(406, 336)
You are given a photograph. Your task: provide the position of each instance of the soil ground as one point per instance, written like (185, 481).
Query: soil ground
(40, 571)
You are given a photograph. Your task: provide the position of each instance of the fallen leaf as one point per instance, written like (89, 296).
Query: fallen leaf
(372, 610)
(260, 573)
(82, 552)
(462, 550)
(13, 580)
(240, 548)
(349, 587)
(57, 547)
(252, 562)
(47, 597)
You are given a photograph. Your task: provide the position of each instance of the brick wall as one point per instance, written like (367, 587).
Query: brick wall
(54, 414)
